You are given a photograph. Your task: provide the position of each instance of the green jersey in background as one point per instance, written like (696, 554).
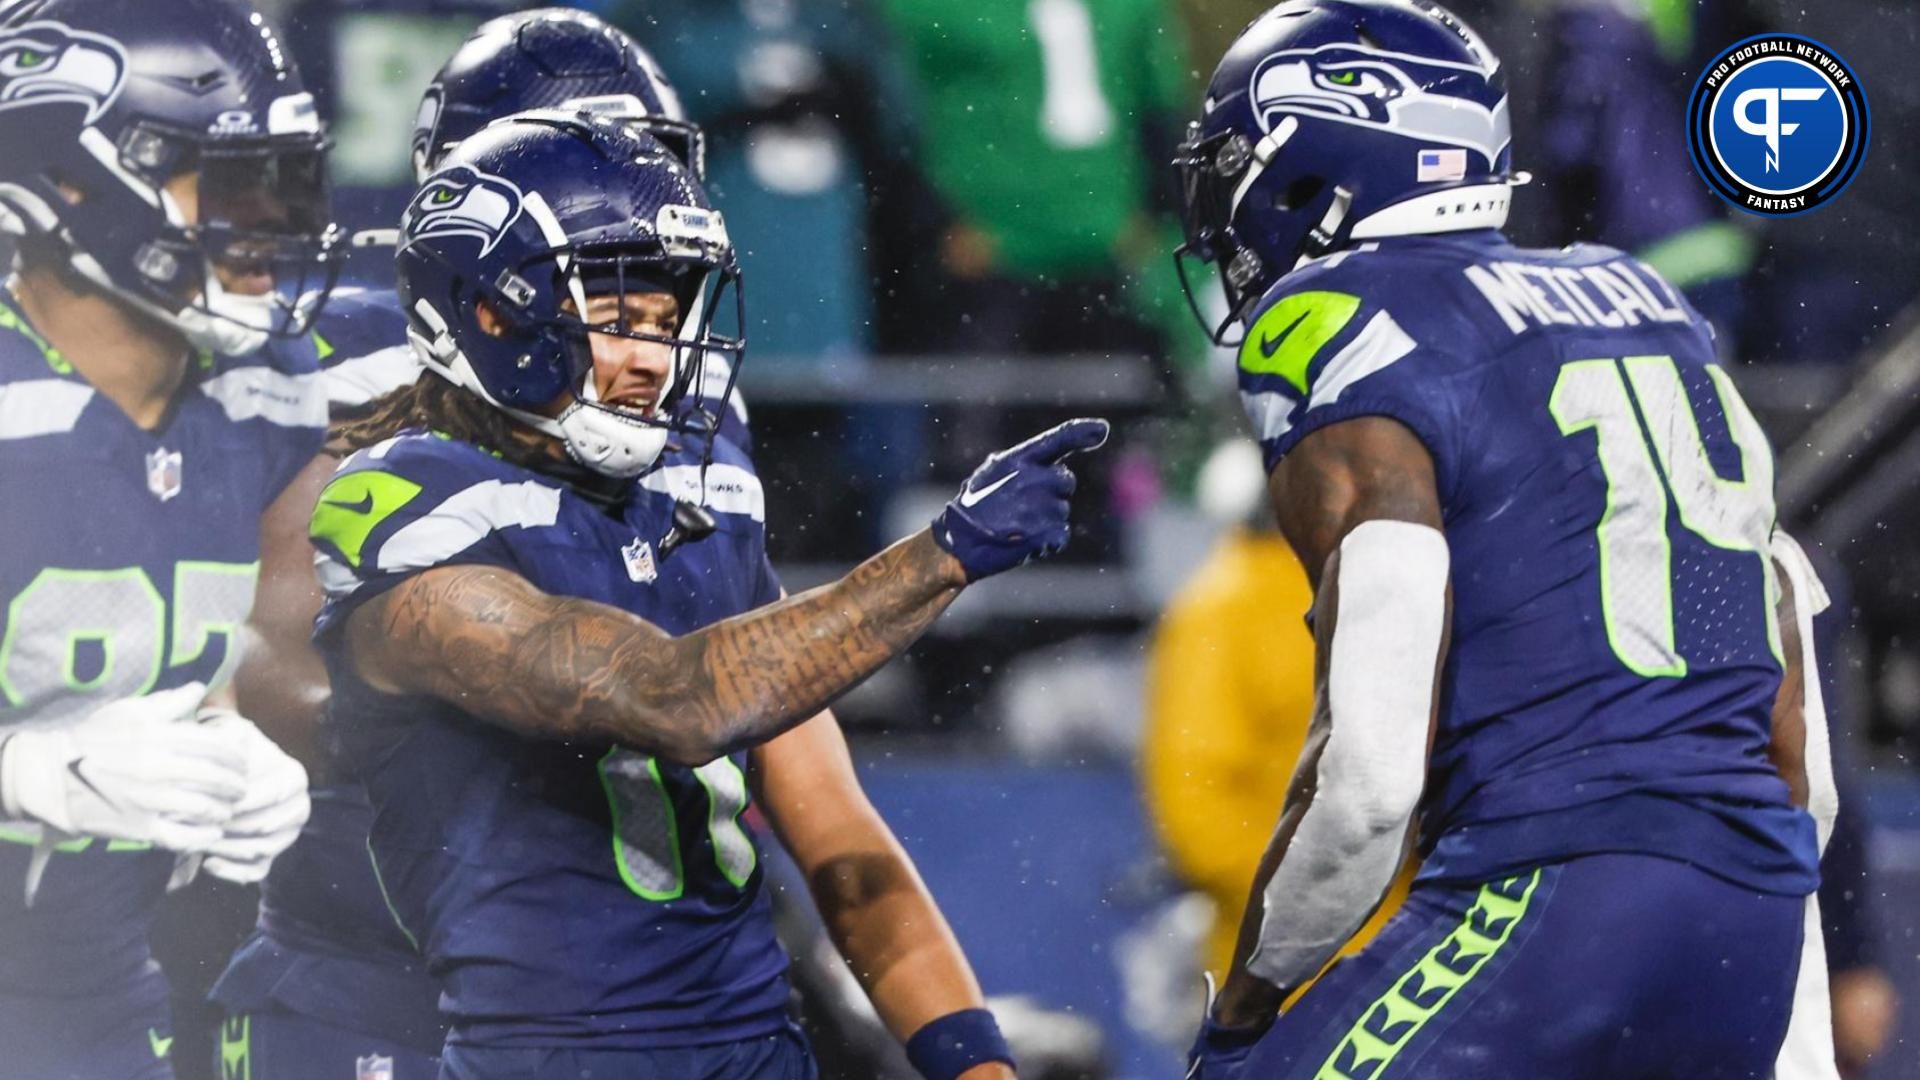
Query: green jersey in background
(1032, 118)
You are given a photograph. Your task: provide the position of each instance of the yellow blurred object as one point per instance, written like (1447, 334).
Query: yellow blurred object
(1229, 697)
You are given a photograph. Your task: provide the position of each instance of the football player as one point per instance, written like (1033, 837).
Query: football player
(162, 173)
(1540, 523)
(551, 694)
(544, 58)
(327, 985)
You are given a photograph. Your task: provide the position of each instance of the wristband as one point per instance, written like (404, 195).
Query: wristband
(956, 1042)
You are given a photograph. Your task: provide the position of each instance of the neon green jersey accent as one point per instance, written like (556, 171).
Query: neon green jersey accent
(1292, 332)
(68, 847)
(655, 870)
(322, 347)
(10, 321)
(160, 1044)
(352, 506)
(1392, 1021)
(386, 898)
(236, 1048)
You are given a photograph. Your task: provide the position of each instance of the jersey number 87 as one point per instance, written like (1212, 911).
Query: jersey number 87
(1636, 572)
(126, 627)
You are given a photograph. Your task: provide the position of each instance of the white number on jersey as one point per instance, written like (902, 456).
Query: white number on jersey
(1074, 113)
(1636, 572)
(646, 834)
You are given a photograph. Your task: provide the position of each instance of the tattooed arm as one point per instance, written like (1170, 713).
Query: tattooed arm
(488, 641)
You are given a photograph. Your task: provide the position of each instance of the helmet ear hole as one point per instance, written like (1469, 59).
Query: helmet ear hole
(72, 193)
(1299, 193)
(488, 318)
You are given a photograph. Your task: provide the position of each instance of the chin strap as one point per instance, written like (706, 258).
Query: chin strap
(603, 440)
(228, 323)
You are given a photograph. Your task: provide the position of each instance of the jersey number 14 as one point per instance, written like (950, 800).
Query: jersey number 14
(1614, 398)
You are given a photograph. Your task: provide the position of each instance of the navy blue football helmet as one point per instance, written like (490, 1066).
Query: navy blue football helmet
(530, 217)
(103, 103)
(1329, 122)
(555, 58)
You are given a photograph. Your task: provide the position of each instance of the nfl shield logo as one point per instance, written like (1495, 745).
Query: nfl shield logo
(373, 1068)
(163, 473)
(639, 556)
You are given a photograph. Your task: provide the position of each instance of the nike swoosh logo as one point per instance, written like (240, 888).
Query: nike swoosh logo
(160, 1045)
(74, 768)
(971, 496)
(364, 506)
(1270, 343)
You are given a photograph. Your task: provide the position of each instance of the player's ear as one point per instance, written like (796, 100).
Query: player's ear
(488, 316)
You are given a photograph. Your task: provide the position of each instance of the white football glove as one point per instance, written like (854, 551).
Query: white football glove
(268, 817)
(135, 769)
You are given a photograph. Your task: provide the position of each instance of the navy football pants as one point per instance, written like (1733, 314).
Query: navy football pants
(1610, 967)
(781, 1056)
(107, 1037)
(281, 1046)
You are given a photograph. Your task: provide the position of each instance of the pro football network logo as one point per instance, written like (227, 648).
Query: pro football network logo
(463, 201)
(47, 61)
(1777, 124)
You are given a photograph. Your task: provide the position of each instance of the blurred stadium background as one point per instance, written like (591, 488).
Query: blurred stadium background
(955, 220)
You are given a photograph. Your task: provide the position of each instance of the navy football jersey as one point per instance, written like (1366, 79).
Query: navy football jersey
(326, 945)
(129, 564)
(1608, 500)
(362, 339)
(562, 892)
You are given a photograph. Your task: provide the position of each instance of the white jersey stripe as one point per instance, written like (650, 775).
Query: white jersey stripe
(730, 489)
(358, 382)
(41, 407)
(1381, 343)
(1271, 414)
(262, 393)
(467, 518)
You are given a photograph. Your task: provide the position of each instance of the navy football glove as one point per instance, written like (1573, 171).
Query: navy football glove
(1014, 507)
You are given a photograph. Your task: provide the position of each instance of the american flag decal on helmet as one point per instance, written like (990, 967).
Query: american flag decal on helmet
(1441, 165)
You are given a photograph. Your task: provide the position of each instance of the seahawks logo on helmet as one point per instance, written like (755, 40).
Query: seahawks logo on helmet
(43, 62)
(1351, 84)
(463, 201)
(425, 123)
